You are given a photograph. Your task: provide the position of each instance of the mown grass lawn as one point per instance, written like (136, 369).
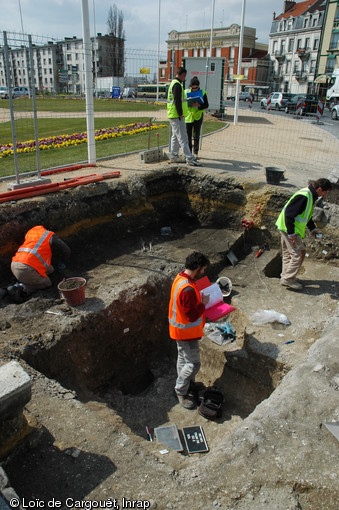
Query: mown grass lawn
(69, 104)
(47, 127)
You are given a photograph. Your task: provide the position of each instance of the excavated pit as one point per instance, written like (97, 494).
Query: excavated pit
(115, 349)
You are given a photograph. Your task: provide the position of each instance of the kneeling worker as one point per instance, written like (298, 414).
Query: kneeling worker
(186, 324)
(32, 263)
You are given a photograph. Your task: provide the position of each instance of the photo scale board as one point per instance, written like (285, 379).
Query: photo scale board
(195, 439)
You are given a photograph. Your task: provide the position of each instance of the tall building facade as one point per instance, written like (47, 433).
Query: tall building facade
(59, 65)
(225, 44)
(328, 59)
(294, 43)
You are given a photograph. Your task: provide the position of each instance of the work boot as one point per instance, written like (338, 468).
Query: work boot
(292, 284)
(186, 401)
(192, 162)
(17, 292)
(174, 159)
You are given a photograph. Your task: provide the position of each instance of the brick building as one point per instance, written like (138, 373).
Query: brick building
(225, 44)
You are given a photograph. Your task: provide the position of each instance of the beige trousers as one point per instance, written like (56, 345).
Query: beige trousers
(30, 277)
(292, 256)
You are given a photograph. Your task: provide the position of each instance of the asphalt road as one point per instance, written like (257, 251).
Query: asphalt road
(326, 123)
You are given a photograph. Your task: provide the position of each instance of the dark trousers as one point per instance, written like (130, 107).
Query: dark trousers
(193, 128)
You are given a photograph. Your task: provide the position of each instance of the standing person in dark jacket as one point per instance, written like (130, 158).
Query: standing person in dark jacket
(194, 116)
(176, 111)
(292, 222)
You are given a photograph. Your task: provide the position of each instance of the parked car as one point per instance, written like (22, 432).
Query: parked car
(4, 93)
(20, 92)
(309, 104)
(335, 112)
(278, 100)
(245, 96)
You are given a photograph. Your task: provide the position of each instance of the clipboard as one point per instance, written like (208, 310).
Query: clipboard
(216, 308)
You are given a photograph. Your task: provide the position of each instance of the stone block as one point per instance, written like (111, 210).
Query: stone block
(151, 156)
(15, 389)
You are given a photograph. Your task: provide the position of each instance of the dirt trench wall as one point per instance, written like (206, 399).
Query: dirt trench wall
(115, 345)
(113, 210)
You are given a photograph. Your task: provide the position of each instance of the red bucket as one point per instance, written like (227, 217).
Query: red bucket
(73, 290)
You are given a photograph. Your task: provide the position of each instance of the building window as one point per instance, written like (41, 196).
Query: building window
(282, 47)
(316, 44)
(290, 45)
(232, 53)
(246, 73)
(307, 43)
(288, 66)
(275, 47)
(312, 66)
(69, 56)
(305, 23)
(299, 44)
(334, 44)
(218, 52)
(290, 24)
(330, 65)
(186, 53)
(195, 52)
(201, 52)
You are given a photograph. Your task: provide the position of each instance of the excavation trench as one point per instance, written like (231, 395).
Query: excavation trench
(122, 353)
(128, 241)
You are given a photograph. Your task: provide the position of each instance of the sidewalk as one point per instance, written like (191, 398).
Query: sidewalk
(259, 140)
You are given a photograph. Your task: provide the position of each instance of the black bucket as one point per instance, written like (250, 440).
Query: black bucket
(273, 175)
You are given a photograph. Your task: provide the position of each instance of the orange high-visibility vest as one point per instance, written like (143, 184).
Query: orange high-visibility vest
(36, 251)
(180, 328)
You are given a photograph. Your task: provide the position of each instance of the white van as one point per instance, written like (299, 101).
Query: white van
(20, 91)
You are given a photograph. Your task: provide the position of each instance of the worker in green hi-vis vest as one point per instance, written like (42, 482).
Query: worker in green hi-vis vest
(292, 222)
(176, 110)
(194, 116)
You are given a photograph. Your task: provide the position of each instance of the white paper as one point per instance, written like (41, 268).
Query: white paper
(215, 294)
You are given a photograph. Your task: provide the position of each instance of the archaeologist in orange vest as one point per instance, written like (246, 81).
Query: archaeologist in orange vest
(32, 263)
(186, 325)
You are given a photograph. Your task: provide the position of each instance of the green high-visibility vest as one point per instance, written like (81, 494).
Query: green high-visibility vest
(300, 222)
(171, 109)
(193, 113)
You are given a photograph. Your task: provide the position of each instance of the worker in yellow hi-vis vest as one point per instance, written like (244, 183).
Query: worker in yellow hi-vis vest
(176, 110)
(292, 222)
(194, 115)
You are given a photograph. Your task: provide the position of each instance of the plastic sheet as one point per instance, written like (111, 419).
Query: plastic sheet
(265, 316)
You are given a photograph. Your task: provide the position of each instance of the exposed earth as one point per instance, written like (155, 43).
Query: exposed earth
(103, 371)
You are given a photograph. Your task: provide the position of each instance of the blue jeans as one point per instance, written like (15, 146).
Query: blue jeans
(188, 364)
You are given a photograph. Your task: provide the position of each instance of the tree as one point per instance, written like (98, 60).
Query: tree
(116, 33)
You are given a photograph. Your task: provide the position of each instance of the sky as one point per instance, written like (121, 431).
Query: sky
(56, 19)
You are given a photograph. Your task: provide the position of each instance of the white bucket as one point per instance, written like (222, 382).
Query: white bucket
(225, 285)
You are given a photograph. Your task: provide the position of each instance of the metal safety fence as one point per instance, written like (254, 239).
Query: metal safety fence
(46, 110)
